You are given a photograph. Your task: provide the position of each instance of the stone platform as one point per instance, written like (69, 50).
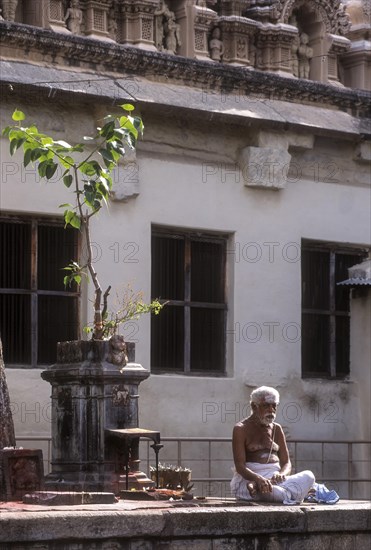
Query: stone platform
(210, 524)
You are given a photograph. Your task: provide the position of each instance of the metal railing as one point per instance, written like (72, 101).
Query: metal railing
(208, 457)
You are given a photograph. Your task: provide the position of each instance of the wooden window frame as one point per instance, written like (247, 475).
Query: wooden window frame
(333, 249)
(33, 291)
(188, 236)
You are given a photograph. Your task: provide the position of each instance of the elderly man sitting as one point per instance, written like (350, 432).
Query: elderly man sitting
(261, 456)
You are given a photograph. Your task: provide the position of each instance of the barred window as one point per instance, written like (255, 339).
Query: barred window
(326, 309)
(36, 311)
(188, 271)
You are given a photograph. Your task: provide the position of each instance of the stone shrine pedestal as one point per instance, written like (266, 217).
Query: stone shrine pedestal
(94, 402)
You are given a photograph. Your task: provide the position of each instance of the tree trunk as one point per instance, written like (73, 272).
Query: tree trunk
(7, 437)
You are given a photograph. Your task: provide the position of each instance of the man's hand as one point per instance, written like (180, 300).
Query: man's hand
(263, 485)
(277, 478)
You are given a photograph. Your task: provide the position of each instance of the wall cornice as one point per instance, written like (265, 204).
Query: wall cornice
(26, 43)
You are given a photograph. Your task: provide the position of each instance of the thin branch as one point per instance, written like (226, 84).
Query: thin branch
(105, 298)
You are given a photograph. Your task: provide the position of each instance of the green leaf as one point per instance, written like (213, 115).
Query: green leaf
(65, 205)
(108, 130)
(67, 162)
(13, 146)
(67, 180)
(47, 140)
(63, 144)
(75, 221)
(6, 131)
(27, 157)
(90, 168)
(42, 168)
(77, 279)
(107, 155)
(127, 124)
(32, 130)
(51, 170)
(18, 115)
(79, 148)
(66, 280)
(68, 215)
(138, 123)
(37, 153)
(127, 107)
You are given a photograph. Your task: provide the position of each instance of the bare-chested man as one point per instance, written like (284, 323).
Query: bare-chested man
(261, 456)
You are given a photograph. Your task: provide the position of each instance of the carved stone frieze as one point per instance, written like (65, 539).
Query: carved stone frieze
(233, 7)
(238, 35)
(263, 10)
(123, 60)
(274, 46)
(332, 13)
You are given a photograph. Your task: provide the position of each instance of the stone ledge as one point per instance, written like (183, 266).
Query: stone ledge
(34, 83)
(127, 521)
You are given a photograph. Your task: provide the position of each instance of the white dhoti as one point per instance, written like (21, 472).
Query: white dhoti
(291, 491)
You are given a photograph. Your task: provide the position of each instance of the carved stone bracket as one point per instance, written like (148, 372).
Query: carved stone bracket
(125, 179)
(266, 165)
(238, 36)
(362, 152)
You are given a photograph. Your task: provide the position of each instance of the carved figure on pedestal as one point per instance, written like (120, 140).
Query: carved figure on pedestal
(172, 34)
(252, 53)
(305, 54)
(294, 59)
(9, 9)
(294, 56)
(241, 48)
(112, 21)
(74, 17)
(117, 352)
(216, 45)
(167, 30)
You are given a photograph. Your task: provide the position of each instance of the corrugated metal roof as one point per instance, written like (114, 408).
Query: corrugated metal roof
(356, 281)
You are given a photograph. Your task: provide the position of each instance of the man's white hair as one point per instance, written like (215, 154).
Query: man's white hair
(265, 393)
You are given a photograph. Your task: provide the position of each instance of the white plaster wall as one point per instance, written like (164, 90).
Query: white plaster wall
(175, 191)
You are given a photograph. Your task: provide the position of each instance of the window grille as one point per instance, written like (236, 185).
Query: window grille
(147, 29)
(36, 311)
(326, 309)
(56, 13)
(199, 40)
(99, 20)
(188, 272)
